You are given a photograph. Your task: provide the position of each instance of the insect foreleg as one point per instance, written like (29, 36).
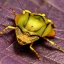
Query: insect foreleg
(34, 51)
(8, 27)
(54, 44)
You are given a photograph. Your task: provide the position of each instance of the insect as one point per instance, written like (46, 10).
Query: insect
(30, 27)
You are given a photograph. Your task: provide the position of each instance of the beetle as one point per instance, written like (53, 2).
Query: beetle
(30, 27)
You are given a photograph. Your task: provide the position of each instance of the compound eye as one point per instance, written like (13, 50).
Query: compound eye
(20, 42)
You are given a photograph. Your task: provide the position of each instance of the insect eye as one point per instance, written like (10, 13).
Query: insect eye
(19, 40)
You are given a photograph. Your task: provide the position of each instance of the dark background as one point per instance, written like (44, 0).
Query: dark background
(11, 52)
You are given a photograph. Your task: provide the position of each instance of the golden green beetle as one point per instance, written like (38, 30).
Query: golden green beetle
(30, 27)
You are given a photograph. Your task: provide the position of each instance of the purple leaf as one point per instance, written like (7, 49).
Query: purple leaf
(11, 52)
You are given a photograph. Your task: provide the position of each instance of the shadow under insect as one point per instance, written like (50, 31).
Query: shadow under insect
(25, 50)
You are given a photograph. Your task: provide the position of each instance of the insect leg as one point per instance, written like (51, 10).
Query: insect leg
(34, 51)
(26, 11)
(14, 12)
(54, 44)
(8, 27)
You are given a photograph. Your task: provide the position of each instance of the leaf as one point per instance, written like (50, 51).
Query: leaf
(12, 52)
